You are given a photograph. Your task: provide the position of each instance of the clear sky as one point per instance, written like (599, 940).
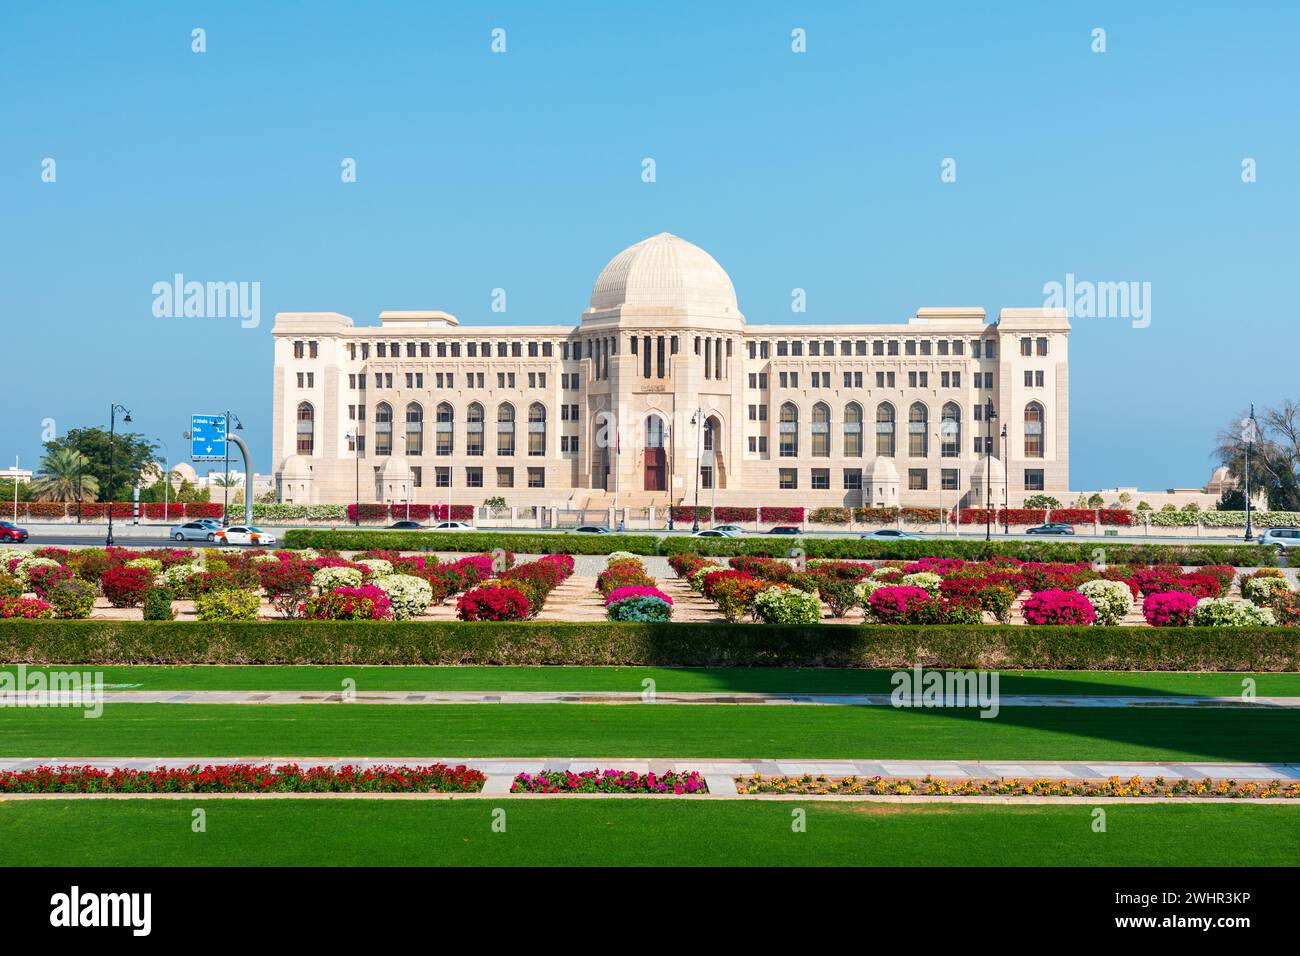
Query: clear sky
(522, 171)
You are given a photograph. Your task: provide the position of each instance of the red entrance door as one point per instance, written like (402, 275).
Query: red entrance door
(656, 469)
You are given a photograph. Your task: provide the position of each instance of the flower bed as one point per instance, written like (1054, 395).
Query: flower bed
(245, 778)
(610, 781)
(808, 785)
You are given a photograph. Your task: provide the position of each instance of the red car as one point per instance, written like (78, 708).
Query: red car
(11, 532)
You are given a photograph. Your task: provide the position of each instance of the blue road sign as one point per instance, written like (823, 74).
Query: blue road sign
(208, 437)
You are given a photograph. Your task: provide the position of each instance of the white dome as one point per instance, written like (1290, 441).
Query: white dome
(665, 271)
(882, 470)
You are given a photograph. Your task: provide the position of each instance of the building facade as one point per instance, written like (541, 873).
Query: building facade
(663, 385)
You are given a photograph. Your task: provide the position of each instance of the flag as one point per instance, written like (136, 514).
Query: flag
(1249, 432)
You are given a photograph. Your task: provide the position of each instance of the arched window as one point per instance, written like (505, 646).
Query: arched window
(306, 428)
(444, 429)
(505, 429)
(536, 429)
(709, 426)
(918, 430)
(654, 432)
(474, 429)
(821, 430)
(789, 431)
(1033, 430)
(414, 429)
(884, 430)
(853, 430)
(950, 431)
(383, 429)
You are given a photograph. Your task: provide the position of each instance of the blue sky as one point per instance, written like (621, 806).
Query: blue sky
(522, 171)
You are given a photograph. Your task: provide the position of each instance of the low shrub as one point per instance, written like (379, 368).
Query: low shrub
(329, 578)
(41, 579)
(408, 596)
(838, 593)
(1169, 609)
(631, 591)
(72, 598)
(644, 608)
(364, 603)
(232, 605)
(245, 778)
(492, 604)
(10, 586)
(31, 609)
(610, 781)
(126, 587)
(1221, 612)
(1059, 607)
(286, 583)
(1261, 588)
(784, 605)
(1110, 600)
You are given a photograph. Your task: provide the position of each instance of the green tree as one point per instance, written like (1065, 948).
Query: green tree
(1233, 499)
(132, 452)
(1096, 501)
(1274, 455)
(7, 490)
(64, 476)
(1042, 501)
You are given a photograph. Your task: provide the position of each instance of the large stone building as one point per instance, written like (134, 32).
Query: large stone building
(661, 374)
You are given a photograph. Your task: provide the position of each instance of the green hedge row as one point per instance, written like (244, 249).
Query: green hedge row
(1240, 555)
(681, 645)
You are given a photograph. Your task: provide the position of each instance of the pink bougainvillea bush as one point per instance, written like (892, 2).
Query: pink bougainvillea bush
(1169, 609)
(365, 603)
(631, 591)
(24, 607)
(1058, 607)
(492, 604)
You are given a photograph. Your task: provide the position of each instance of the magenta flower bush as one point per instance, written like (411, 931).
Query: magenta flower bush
(1059, 607)
(609, 781)
(1169, 608)
(635, 590)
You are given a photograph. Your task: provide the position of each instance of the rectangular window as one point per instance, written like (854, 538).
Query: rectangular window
(505, 477)
(821, 479)
(442, 476)
(1041, 343)
(848, 379)
(536, 477)
(474, 477)
(1038, 378)
(948, 479)
(1026, 346)
(1033, 479)
(917, 479)
(1029, 379)
(788, 479)
(852, 479)
(706, 477)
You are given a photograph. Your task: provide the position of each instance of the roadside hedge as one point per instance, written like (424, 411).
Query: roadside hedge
(1240, 555)
(680, 645)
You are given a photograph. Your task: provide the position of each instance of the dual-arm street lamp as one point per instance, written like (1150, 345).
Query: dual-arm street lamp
(112, 432)
(354, 436)
(225, 506)
(698, 421)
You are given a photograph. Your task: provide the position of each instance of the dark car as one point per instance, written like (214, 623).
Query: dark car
(406, 526)
(11, 532)
(891, 534)
(1052, 528)
(785, 529)
(591, 529)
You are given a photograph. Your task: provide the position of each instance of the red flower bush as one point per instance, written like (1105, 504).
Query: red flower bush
(732, 515)
(126, 587)
(245, 778)
(25, 607)
(898, 605)
(1116, 516)
(782, 515)
(622, 594)
(492, 604)
(1169, 609)
(40, 579)
(1059, 607)
(287, 584)
(365, 603)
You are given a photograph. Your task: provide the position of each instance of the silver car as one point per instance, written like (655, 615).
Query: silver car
(193, 531)
(1281, 538)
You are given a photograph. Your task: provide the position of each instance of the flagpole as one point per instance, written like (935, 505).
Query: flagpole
(1249, 435)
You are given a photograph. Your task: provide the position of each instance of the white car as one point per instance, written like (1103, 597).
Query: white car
(245, 534)
(1281, 538)
(715, 533)
(452, 526)
(731, 529)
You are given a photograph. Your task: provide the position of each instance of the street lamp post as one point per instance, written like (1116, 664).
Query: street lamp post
(698, 421)
(989, 416)
(225, 507)
(355, 435)
(112, 432)
(1250, 437)
(1006, 485)
(672, 462)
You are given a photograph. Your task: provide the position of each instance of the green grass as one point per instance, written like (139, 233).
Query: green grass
(628, 730)
(667, 680)
(638, 832)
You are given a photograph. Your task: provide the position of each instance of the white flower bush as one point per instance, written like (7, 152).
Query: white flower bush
(377, 566)
(880, 573)
(787, 606)
(864, 589)
(922, 579)
(1261, 590)
(1221, 612)
(696, 578)
(621, 556)
(265, 559)
(327, 579)
(409, 595)
(176, 576)
(1111, 600)
(152, 564)
(11, 554)
(29, 563)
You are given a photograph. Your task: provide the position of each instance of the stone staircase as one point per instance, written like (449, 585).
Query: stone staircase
(575, 600)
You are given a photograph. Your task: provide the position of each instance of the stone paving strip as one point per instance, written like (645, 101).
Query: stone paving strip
(720, 775)
(112, 696)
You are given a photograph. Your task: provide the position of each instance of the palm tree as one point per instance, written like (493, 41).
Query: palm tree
(63, 477)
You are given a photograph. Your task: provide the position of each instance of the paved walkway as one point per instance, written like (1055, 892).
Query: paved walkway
(720, 774)
(129, 696)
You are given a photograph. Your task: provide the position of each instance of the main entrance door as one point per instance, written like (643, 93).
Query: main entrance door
(656, 469)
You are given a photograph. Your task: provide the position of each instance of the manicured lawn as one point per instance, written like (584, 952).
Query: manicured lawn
(638, 730)
(704, 680)
(638, 832)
